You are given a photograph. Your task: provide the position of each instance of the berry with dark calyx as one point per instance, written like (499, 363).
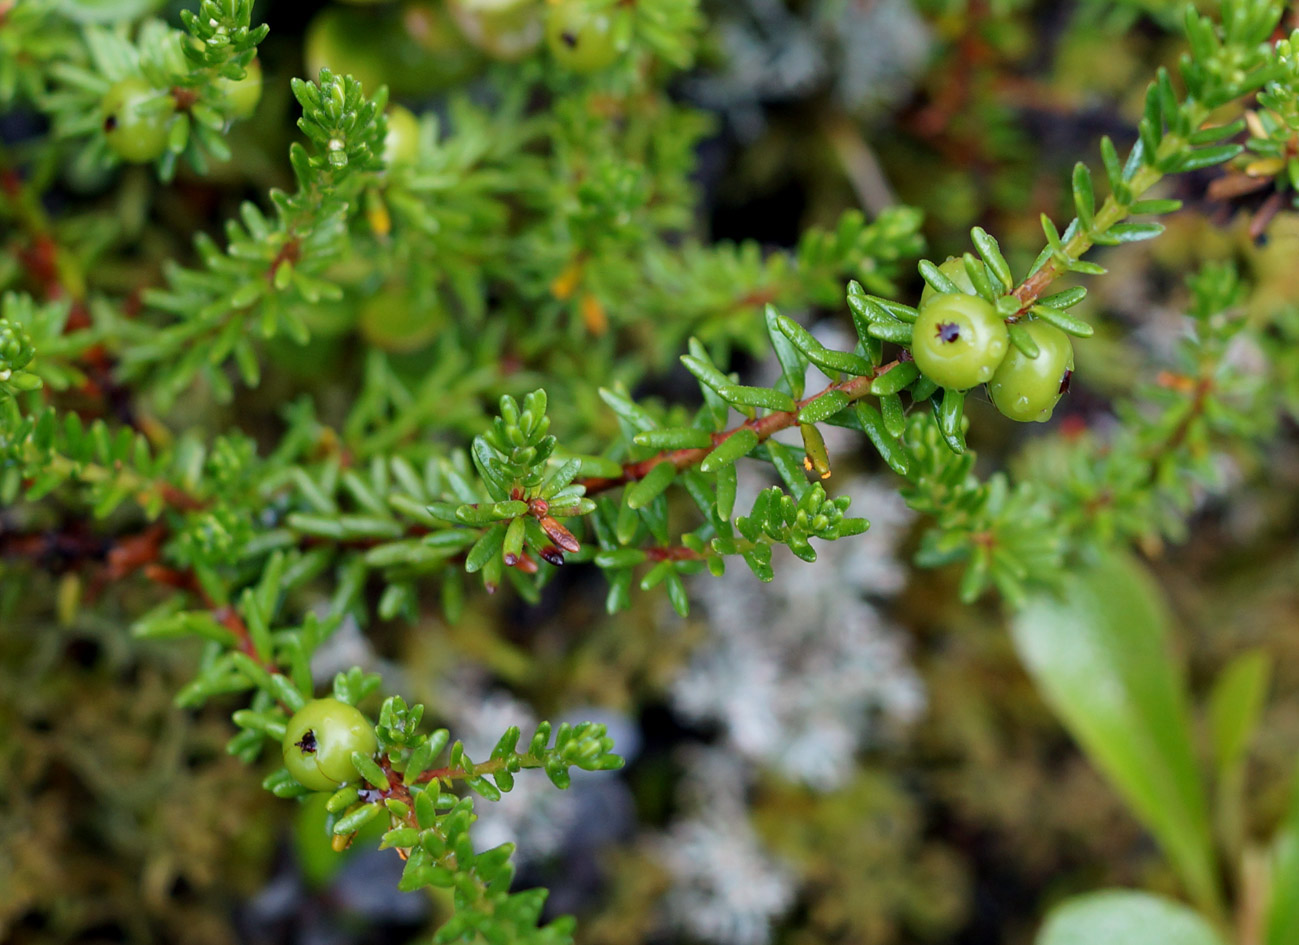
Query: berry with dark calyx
(1025, 388)
(954, 269)
(958, 341)
(580, 35)
(319, 741)
(136, 117)
(242, 95)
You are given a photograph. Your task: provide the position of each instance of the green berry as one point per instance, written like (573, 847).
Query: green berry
(954, 269)
(430, 52)
(397, 319)
(1025, 388)
(958, 340)
(345, 42)
(135, 120)
(242, 95)
(319, 741)
(413, 49)
(504, 29)
(581, 35)
(401, 146)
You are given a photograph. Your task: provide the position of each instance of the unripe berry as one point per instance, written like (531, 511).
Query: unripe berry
(504, 29)
(958, 341)
(581, 35)
(242, 95)
(401, 146)
(136, 117)
(954, 269)
(1025, 388)
(319, 741)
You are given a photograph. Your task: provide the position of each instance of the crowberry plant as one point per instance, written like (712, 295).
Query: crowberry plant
(471, 343)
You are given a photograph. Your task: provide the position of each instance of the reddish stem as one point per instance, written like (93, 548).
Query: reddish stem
(765, 427)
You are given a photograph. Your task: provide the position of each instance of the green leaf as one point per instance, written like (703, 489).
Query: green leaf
(1124, 917)
(652, 486)
(674, 438)
(1087, 268)
(1022, 340)
(826, 405)
(355, 820)
(628, 410)
(704, 370)
(977, 273)
(1204, 157)
(936, 279)
(790, 466)
(948, 412)
(830, 361)
(895, 418)
(1283, 906)
(1100, 655)
(889, 446)
(1084, 196)
(895, 379)
(991, 252)
(798, 336)
(1051, 233)
(1129, 233)
(738, 444)
(1110, 158)
(1069, 324)
(756, 397)
(677, 594)
(1236, 705)
(620, 558)
(1066, 299)
(899, 333)
(1206, 136)
(793, 363)
(485, 548)
(726, 486)
(369, 769)
(1156, 206)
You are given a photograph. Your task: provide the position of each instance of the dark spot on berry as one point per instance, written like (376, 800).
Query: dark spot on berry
(110, 123)
(570, 39)
(1064, 382)
(947, 332)
(308, 743)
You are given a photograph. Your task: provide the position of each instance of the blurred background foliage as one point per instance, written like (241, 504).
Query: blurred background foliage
(951, 808)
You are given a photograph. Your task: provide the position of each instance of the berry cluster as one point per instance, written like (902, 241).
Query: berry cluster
(960, 340)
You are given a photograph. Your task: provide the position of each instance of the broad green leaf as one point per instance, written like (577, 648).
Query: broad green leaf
(1124, 917)
(1099, 654)
(1283, 907)
(1235, 705)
